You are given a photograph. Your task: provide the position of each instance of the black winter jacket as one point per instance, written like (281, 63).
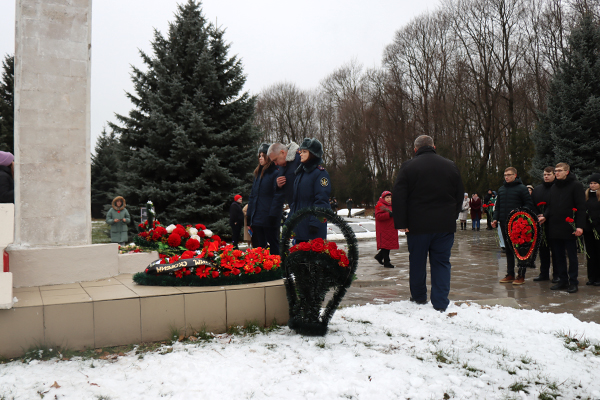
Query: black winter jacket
(7, 185)
(266, 199)
(428, 194)
(511, 196)
(593, 212)
(236, 214)
(541, 193)
(565, 195)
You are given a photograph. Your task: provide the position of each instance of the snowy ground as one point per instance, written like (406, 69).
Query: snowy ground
(393, 351)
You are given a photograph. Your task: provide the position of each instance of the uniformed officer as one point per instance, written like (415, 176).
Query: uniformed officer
(312, 188)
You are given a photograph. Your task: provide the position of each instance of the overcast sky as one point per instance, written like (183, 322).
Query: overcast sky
(278, 40)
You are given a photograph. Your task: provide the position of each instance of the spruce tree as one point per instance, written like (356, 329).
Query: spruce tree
(105, 172)
(569, 131)
(190, 144)
(7, 104)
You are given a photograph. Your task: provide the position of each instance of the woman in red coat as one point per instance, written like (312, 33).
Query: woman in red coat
(387, 235)
(476, 208)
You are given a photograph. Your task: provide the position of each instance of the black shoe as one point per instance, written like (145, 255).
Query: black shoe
(472, 229)
(419, 301)
(589, 283)
(489, 229)
(478, 229)
(559, 286)
(540, 278)
(379, 258)
(597, 283)
(440, 309)
(503, 249)
(555, 280)
(572, 289)
(388, 265)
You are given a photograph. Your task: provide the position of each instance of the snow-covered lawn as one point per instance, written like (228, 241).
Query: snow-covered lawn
(394, 351)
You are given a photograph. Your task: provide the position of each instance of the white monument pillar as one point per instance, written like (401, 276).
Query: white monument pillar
(52, 143)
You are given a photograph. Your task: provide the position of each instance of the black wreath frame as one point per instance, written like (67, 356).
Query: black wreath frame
(529, 263)
(304, 295)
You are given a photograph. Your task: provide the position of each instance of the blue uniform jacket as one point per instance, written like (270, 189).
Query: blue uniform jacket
(312, 188)
(289, 171)
(265, 199)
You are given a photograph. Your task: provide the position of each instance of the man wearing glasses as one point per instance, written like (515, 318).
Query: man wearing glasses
(566, 207)
(513, 194)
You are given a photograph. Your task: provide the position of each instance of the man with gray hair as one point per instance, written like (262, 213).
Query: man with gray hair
(287, 158)
(427, 198)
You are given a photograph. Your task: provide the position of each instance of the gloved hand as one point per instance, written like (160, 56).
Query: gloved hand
(313, 230)
(272, 220)
(391, 214)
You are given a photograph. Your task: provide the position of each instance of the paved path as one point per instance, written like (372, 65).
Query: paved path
(477, 265)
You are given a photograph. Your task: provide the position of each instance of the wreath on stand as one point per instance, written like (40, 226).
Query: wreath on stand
(311, 269)
(523, 231)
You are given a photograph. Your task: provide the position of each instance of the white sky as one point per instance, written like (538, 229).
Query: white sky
(299, 42)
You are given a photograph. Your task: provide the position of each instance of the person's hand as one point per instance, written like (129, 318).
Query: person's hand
(541, 218)
(280, 181)
(403, 230)
(116, 220)
(578, 232)
(494, 224)
(124, 220)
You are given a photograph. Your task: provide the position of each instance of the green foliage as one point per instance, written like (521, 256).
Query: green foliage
(7, 104)
(568, 130)
(189, 143)
(105, 172)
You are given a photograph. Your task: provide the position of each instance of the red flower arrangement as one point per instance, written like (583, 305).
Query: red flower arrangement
(319, 245)
(523, 232)
(571, 221)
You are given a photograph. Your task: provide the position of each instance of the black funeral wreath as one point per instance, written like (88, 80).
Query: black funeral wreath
(309, 276)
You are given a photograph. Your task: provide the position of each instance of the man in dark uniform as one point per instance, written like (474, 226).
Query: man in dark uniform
(287, 158)
(429, 218)
(349, 204)
(541, 198)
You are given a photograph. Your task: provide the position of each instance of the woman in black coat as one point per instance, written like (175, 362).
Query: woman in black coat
(592, 244)
(236, 219)
(266, 203)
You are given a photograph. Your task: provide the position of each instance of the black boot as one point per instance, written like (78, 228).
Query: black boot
(379, 258)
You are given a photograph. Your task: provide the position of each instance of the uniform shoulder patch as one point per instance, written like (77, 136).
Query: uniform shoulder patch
(321, 168)
(324, 182)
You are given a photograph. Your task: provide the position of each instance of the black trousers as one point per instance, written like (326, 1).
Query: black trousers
(266, 237)
(592, 248)
(563, 248)
(547, 256)
(235, 233)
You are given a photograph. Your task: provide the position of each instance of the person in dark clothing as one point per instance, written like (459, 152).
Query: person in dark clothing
(349, 205)
(426, 199)
(567, 201)
(476, 207)
(488, 213)
(387, 235)
(513, 194)
(7, 172)
(266, 203)
(334, 204)
(236, 219)
(312, 188)
(287, 158)
(541, 197)
(592, 230)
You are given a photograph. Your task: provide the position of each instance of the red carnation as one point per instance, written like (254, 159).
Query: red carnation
(192, 244)
(174, 258)
(570, 220)
(215, 274)
(268, 265)
(200, 227)
(304, 246)
(574, 210)
(188, 254)
(161, 230)
(174, 240)
(179, 274)
(235, 271)
(257, 270)
(541, 203)
(201, 234)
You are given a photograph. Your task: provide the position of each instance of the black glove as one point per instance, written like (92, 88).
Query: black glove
(313, 230)
(272, 220)
(391, 214)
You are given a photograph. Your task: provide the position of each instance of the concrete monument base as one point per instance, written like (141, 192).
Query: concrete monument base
(39, 266)
(6, 290)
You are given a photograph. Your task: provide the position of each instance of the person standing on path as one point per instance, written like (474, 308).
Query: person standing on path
(476, 208)
(387, 235)
(566, 207)
(349, 204)
(427, 197)
(118, 218)
(592, 241)
(541, 197)
(513, 194)
(488, 212)
(464, 213)
(287, 158)
(236, 219)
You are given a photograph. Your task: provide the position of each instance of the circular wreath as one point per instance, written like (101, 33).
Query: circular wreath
(523, 235)
(308, 276)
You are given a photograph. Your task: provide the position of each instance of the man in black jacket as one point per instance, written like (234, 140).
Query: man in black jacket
(566, 207)
(513, 194)
(426, 200)
(541, 198)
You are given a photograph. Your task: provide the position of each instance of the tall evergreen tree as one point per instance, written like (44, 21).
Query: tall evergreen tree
(569, 131)
(105, 172)
(7, 104)
(190, 142)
